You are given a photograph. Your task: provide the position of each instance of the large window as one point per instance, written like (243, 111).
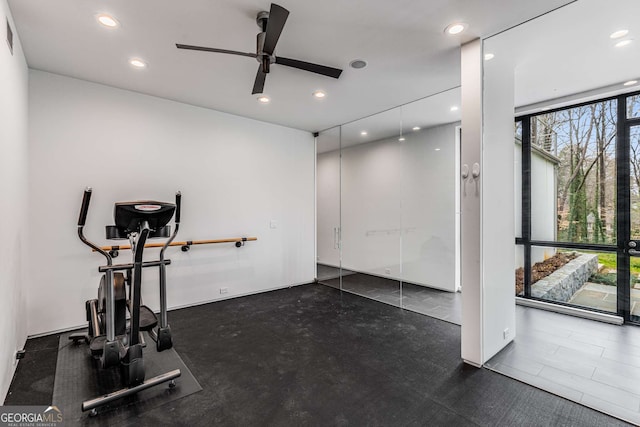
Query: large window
(579, 177)
(573, 174)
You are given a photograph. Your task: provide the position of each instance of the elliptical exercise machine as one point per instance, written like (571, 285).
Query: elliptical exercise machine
(110, 339)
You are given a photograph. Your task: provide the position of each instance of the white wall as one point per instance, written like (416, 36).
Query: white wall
(371, 208)
(543, 204)
(236, 176)
(429, 207)
(13, 188)
(328, 208)
(398, 207)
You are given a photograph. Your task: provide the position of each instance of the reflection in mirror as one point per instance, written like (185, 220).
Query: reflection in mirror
(371, 200)
(430, 206)
(398, 200)
(328, 207)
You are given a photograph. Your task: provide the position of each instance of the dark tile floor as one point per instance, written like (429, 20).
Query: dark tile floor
(312, 355)
(421, 299)
(594, 363)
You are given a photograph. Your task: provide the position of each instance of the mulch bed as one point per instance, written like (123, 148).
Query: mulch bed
(543, 269)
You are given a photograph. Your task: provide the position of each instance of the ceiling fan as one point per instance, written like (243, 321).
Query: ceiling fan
(271, 24)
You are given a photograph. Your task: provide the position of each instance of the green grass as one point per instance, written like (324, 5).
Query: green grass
(608, 260)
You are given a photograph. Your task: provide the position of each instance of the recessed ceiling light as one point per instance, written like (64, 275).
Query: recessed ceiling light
(455, 28)
(107, 20)
(488, 56)
(437, 149)
(401, 139)
(454, 108)
(624, 42)
(618, 34)
(630, 83)
(363, 133)
(416, 128)
(263, 99)
(319, 94)
(137, 63)
(358, 63)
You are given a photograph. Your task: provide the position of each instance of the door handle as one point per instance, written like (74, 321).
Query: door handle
(633, 252)
(632, 244)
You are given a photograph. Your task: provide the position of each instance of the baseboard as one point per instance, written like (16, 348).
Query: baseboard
(178, 307)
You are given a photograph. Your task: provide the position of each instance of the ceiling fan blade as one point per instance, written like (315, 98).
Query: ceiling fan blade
(277, 18)
(213, 49)
(308, 66)
(258, 86)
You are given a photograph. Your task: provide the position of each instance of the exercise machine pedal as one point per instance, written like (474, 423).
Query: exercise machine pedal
(148, 319)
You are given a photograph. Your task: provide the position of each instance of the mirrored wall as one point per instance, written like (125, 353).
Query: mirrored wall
(388, 206)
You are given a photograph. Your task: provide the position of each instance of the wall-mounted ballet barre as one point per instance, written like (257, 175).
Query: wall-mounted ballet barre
(184, 246)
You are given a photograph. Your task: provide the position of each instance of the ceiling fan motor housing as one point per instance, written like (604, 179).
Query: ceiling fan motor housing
(261, 56)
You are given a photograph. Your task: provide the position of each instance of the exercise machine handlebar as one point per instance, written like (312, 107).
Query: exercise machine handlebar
(178, 203)
(82, 219)
(85, 207)
(177, 226)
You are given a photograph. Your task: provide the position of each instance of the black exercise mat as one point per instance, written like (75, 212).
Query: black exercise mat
(78, 378)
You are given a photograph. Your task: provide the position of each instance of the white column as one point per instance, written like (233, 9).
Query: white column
(470, 217)
(487, 219)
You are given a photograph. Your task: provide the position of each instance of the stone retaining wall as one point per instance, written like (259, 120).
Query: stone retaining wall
(565, 281)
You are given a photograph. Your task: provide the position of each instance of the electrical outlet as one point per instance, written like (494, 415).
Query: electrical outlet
(19, 355)
(506, 333)
(224, 290)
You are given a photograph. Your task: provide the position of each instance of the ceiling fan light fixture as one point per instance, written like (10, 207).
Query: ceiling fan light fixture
(263, 99)
(319, 94)
(358, 64)
(618, 34)
(107, 20)
(455, 28)
(137, 63)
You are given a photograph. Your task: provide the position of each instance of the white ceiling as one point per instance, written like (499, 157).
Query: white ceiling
(560, 58)
(403, 41)
(395, 123)
(567, 56)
